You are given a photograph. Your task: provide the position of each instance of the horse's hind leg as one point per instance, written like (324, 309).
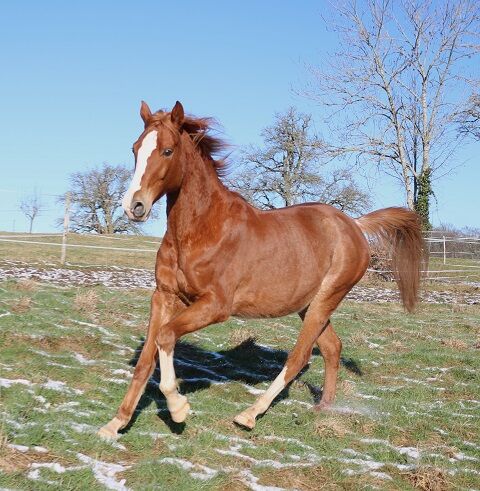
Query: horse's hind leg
(330, 347)
(161, 311)
(315, 322)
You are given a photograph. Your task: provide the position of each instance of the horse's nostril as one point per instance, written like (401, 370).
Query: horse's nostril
(138, 209)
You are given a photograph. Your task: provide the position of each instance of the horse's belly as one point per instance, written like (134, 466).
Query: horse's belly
(272, 300)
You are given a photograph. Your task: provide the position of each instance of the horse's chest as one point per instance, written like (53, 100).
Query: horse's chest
(186, 283)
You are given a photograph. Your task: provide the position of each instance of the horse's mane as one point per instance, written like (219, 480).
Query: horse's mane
(199, 130)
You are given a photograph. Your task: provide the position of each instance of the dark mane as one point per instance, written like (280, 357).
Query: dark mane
(199, 130)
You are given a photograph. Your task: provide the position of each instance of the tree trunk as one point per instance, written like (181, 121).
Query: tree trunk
(422, 205)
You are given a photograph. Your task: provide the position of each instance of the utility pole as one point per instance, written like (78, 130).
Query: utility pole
(66, 221)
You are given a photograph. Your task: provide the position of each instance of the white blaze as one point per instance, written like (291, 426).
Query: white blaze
(149, 144)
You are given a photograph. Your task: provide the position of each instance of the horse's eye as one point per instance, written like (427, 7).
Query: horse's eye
(167, 152)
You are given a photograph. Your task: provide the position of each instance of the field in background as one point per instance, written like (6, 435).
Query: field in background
(139, 252)
(407, 414)
(101, 250)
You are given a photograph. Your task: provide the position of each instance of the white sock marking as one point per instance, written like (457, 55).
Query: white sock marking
(167, 373)
(149, 144)
(264, 401)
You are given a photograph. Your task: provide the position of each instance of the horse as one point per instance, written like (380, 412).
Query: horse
(222, 257)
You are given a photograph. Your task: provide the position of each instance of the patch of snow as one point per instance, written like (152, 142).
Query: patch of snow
(121, 371)
(105, 472)
(411, 452)
(59, 386)
(118, 381)
(368, 396)
(233, 452)
(197, 471)
(101, 329)
(82, 360)
(252, 482)
(381, 475)
(19, 448)
(253, 390)
(5, 382)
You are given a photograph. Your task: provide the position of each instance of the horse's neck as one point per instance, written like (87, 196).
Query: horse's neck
(191, 204)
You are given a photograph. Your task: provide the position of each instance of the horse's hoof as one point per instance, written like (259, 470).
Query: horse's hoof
(245, 419)
(106, 433)
(180, 415)
(322, 406)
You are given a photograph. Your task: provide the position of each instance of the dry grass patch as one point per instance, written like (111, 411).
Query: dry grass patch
(22, 305)
(241, 335)
(347, 387)
(330, 426)
(26, 285)
(458, 308)
(429, 479)
(306, 479)
(357, 338)
(85, 301)
(13, 460)
(233, 483)
(396, 345)
(454, 344)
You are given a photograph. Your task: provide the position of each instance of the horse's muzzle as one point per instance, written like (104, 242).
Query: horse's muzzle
(138, 211)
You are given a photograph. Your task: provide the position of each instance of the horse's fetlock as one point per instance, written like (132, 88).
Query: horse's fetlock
(167, 388)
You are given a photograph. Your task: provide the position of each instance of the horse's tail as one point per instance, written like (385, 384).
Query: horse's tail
(399, 231)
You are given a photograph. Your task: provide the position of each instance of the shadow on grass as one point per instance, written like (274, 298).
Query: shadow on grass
(198, 369)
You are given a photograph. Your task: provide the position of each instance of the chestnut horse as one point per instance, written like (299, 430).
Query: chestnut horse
(221, 257)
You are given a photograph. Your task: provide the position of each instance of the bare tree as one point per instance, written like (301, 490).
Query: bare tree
(31, 206)
(96, 197)
(470, 118)
(397, 85)
(288, 169)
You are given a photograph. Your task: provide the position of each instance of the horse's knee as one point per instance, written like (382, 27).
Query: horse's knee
(298, 359)
(141, 371)
(165, 340)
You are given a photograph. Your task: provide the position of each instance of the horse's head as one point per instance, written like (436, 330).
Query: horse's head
(158, 162)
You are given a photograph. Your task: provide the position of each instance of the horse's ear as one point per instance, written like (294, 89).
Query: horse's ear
(145, 112)
(177, 115)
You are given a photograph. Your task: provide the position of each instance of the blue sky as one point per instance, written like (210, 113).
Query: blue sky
(73, 75)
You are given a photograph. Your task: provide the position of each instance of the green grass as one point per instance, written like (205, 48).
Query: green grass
(407, 413)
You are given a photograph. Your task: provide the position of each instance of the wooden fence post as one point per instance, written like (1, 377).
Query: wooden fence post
(66, 221)
(444, 251)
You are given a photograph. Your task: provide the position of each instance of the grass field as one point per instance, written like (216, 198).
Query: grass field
(407, 414)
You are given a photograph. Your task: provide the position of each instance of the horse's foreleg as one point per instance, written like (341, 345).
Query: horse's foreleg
(162, 307)
(315, 322)
(205, 311)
